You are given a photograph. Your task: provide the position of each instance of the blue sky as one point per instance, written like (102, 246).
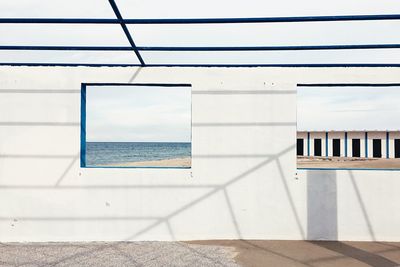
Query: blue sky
(348, 108)
(138, 114)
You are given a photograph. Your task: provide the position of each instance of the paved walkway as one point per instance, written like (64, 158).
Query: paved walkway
(316, 254)
(229, 253)
(100, 254)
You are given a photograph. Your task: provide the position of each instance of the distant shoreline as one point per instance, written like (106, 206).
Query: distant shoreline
(175, 162)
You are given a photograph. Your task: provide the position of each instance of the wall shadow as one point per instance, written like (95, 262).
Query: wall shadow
(362, 205)
(372, 259)
(322, 205)
(221, 188)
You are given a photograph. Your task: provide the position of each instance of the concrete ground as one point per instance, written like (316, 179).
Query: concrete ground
(263, 253)
(100, 254)
(349, 162)
(202, 253)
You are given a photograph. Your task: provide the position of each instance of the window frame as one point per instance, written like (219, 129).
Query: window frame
(83, 122)
(305, 85)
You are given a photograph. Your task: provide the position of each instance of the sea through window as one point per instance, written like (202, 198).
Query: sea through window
(136, 125)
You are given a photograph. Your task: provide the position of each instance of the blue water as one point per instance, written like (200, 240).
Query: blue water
(105, 153)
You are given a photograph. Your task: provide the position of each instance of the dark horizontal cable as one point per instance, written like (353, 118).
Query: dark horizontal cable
(205, 48)
(68, 48)
(320, 65)
(271, 48)
(263, 20)
(201, 20)
(141, 84)
(348, 84)
(57, 21)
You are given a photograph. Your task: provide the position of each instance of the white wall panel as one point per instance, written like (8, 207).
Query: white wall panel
(243, 182)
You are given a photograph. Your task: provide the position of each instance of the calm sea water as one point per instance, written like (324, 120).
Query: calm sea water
(100, 153)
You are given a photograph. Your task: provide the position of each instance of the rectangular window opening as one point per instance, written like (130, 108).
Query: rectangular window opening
(136, 125)
(338, 130)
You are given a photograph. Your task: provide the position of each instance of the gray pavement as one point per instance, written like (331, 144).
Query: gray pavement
(115, 254)
(229, 253)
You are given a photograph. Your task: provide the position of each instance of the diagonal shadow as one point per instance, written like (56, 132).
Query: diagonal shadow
(213, 188)
(322, 210)
(259, 250)
(290, 199)
(356, 253)
(74, 158)
(127, 256)
(135, 74)
(64, 174)
(193, 250)
(254, 245)
(340, 257)
(168, 217)
(212, 192)
(170, 230)
(362, 206)
(232, 213)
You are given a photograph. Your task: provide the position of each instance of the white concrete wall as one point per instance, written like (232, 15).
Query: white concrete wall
(243, 183)
(352, 205)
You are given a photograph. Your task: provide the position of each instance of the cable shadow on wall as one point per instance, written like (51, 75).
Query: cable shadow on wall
(322, 217)
(212, 189)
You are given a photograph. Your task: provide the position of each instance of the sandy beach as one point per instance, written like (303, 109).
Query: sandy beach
(177, 162)
(341, 162)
